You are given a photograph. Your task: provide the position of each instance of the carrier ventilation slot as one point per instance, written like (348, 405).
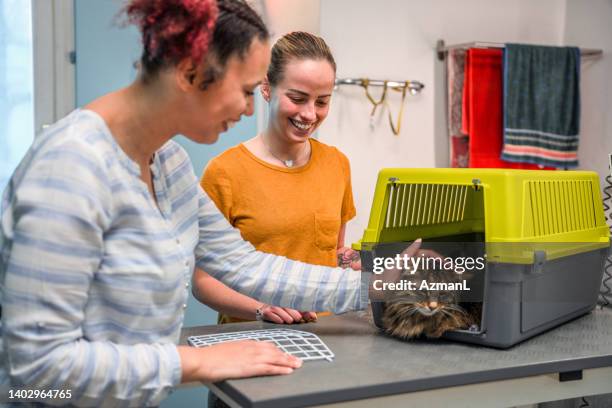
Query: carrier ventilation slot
(425, 204)
(561, 206)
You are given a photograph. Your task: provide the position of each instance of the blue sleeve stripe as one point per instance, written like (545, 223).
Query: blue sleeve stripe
(341, 294)
(185, 198)
(132, 283)
(41, 186)
(133, 309)
(104, 327)
(320, 300)
(87, 371)
(48, 274)
(189, 222)
(120, 186)
(266, 267)
(136, 235)
(34, 353)
(157, 259)
(214, 239)
(180, 171)
(130, 211)
(75, 157)
(169, 150)
(39, 244)
(215, 259)
(44, 214)
(282, 284)
(28, 301)
(208, 219)
(47, 364)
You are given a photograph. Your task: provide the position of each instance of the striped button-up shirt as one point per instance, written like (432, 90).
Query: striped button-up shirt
(95, 273)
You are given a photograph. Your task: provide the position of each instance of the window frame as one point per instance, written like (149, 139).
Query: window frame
(54, 61)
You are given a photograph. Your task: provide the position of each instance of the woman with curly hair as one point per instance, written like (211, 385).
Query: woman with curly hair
(103, 223)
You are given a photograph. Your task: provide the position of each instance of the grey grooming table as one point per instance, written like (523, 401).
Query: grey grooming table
(371, 368)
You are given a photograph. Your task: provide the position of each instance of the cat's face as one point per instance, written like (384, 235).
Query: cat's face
(423, 311)
(430, 301)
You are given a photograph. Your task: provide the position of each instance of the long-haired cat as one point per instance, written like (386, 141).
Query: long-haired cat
(423, 312)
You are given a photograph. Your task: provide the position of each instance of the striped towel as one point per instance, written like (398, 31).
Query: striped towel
(541, 105)
(459, 141)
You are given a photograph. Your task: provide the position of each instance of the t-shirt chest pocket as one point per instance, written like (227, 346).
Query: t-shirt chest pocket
(326, 231)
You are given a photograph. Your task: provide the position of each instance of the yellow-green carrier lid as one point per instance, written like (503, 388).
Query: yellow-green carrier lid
(560, 212)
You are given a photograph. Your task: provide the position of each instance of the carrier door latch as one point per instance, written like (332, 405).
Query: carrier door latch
(539, 259)
(476, 184)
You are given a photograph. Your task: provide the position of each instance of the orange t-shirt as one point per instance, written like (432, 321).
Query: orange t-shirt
(293, 212)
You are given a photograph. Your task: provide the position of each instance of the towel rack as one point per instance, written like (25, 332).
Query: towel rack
(414, 87)
(442, 48)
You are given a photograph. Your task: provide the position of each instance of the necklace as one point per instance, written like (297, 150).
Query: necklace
(287, 162)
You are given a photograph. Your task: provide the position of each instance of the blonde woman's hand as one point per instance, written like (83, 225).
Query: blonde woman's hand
(285, 315)
(349, 258)
(236, 359)
(309, 316)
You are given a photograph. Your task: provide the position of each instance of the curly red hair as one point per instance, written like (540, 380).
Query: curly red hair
(173, 30)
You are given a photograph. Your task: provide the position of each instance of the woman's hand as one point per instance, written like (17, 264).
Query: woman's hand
(349, 258)
(236, 359)
(393, 274)
(280, 315)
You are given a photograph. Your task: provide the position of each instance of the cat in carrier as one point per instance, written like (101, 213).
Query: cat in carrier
(427, 309)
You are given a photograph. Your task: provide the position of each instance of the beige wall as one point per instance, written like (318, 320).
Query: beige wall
(395, 39)
(292, 15)
(588, 24)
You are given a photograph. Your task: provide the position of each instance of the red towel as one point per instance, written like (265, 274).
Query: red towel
(459, 142)
(482, 109)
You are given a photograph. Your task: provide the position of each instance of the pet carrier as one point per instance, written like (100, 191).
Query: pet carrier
(542, 233)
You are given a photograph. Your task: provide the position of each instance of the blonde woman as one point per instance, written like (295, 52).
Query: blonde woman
(286, 192)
